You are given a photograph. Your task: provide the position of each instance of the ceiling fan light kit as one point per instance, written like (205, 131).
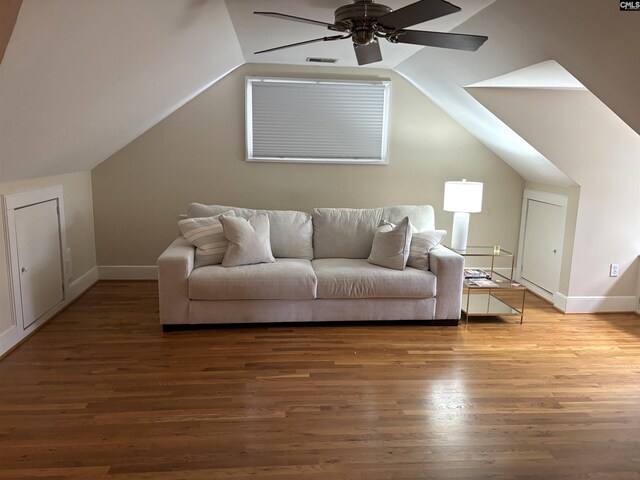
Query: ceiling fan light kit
(365, 21)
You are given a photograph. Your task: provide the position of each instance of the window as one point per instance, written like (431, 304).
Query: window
(330, 121)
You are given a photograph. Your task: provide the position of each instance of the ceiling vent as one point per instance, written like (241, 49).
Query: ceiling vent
(321, 60)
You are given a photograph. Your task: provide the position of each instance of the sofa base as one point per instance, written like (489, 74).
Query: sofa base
(317, 310)
(168, 328)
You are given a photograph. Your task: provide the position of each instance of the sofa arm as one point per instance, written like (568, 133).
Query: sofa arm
(174, 267)
(448, 267)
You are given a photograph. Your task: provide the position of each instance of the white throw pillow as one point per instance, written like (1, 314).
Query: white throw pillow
(421, 243)
(248, 240)
(207, 235)
(391, 245)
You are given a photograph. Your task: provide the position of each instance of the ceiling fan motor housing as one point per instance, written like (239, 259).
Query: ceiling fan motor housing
(360, 19)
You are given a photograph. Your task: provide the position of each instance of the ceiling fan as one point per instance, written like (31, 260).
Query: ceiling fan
(365, 21)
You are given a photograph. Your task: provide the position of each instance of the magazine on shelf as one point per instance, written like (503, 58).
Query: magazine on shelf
(483, 282)
(476, 273)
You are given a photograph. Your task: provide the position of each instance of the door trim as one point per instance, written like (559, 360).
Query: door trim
(544, 197)
(10, 204)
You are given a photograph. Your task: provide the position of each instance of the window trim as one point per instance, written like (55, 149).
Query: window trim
(384, 150)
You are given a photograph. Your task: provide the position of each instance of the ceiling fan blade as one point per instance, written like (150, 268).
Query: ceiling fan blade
(284, 16)
(416, 13)
(457, 41)
(322, 39)
(369, 53)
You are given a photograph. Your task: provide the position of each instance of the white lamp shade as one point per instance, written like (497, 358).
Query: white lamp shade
(463, 196)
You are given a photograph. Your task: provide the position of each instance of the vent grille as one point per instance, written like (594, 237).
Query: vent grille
(321, 60)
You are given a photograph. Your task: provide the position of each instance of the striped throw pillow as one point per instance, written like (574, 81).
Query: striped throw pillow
(421, 243)
(207, 235)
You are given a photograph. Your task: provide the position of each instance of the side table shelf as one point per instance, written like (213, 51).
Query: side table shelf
(500, 296)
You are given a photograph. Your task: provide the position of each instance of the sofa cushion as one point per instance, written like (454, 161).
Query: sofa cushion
(286, 279)
(391, 245)
(344, 232)
(355, 278)
(207, 235)
(248, 240)
(291, 231)
(421, 244)
(420, 216)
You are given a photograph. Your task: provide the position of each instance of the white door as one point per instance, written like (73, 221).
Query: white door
(39, 259)
(542, 248)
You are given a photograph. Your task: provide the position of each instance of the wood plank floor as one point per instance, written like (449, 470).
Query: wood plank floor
(101, 393)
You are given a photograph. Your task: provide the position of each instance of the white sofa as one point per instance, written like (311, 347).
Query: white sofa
(320, 274)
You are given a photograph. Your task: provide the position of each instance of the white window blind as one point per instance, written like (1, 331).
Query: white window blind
(300, 120)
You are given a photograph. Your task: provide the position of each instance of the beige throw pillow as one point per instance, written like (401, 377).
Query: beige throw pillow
(248, 240)
(206, 234)
(391, 245)
(421, 243)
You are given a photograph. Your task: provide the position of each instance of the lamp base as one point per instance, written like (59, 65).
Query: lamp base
(460, 231)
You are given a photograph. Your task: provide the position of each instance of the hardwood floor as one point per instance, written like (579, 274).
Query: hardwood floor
(101, 393)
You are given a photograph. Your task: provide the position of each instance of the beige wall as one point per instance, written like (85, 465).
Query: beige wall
(82, 78)
(593, 146)
(78, 214)
(198, 154)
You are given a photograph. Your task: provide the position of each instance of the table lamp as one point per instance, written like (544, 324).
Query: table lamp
(462, 198)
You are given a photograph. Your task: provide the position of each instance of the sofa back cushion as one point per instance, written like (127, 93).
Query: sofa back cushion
(349, 232)
(291, 232)
(421, 216)
(344, 232)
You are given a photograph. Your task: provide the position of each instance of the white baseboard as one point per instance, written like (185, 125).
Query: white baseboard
(560, 302)
(15, 334)
(128, 272)
(595, 304)
(82, 283)
(10, 338)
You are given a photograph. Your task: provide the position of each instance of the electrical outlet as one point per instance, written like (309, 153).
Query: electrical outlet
(613, 270)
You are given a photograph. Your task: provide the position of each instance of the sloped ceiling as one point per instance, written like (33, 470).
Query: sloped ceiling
(596, 148)
(484, 125)
(82, 78)
(584, 39)
(549, 74)
(592, 39)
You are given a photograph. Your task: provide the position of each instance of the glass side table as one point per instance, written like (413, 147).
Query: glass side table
(496, 295)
